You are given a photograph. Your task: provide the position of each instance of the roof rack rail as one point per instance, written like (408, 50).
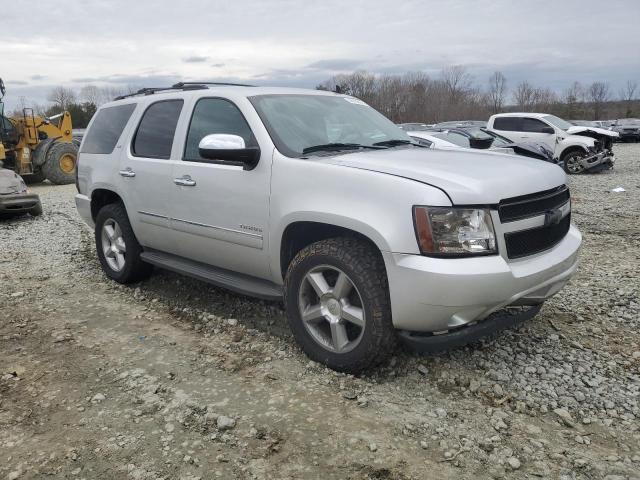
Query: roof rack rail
(229, 84)
(152, 90)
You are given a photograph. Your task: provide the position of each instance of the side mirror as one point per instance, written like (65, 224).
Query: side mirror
(223, 147)
(549, 130)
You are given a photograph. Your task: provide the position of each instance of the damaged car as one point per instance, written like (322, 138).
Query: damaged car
(481, 139)
(576, 148)
(15, 198)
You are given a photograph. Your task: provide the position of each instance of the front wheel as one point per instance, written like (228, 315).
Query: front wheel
(572, 163)
(117, 246)
(338, 306)
(60, 164)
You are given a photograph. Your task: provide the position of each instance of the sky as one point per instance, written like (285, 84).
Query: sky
(148, 43)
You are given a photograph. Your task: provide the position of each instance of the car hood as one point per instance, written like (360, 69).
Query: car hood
(576, 130)
(468, 177)
(10, 182)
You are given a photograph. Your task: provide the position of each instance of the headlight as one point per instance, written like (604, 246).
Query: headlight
(22, 187)
(450, 231)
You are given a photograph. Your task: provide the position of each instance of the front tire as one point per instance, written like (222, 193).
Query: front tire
(571, 161)
(60, 165)
(337, 302)
(117, 247)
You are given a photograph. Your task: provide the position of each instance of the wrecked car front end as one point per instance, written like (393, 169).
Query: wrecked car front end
(599, 156)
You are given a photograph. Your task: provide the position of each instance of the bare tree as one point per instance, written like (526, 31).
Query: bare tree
(573, 99)
(627, 95)
(457, 82)
(598, 95)
(91, 94)
(62, 97)
(497, 91)
(524, 95)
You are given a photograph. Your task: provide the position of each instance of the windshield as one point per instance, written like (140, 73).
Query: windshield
(453, 137)
(498, 140)
(558, 122)
(298, 122)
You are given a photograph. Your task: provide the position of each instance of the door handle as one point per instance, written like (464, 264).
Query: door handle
(185, 181)
(127, 172)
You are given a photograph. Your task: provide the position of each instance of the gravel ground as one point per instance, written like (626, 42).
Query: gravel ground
(172, 378)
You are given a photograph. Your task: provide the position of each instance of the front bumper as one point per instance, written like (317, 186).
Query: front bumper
(437, 295)
(18, 203)
(597, 159)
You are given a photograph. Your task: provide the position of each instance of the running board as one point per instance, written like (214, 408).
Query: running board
(237, 282)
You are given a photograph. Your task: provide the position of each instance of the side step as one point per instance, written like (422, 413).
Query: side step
(237, 282)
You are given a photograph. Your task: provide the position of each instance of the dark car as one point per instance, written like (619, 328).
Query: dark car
(628, 129)
(15, 198)
(481, 138)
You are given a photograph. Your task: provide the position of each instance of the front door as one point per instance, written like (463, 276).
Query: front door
(145, 169)
(220, 211)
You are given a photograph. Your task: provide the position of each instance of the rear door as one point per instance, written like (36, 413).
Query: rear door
(510, 127)
(145, 169)
(221, 215)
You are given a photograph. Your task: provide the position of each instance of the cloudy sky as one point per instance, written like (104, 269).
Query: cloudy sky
(301, 43)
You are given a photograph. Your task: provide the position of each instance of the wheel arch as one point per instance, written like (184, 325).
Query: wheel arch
(572, 148)
(101, 197)
(299, 233)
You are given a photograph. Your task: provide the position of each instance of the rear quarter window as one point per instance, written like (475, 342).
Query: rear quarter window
(508, 124)
(107, 128)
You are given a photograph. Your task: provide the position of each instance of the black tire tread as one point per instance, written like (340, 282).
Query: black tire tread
(51, 167)
(135, 268)
(370, 274)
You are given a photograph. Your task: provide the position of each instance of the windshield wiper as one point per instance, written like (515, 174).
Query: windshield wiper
(328, 147)
(397, 142)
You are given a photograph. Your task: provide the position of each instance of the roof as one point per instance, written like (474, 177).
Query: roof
(521, 114)
(225, 90)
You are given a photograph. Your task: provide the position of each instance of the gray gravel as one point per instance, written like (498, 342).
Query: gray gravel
(199, 380)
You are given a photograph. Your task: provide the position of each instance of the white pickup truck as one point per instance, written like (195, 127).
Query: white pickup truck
(577, 148)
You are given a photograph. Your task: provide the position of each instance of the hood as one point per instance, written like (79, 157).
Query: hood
(10, 182)
(533, 150)
(577, 130)
(468, 177)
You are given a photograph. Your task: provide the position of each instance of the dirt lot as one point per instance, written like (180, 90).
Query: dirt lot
(173, 379)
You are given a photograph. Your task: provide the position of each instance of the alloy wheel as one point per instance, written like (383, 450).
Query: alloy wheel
(331, 309)
(113, 245)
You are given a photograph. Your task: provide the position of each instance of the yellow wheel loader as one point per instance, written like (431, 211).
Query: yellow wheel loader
(38, 147)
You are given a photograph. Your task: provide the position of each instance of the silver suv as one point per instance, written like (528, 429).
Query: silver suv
(316, 199)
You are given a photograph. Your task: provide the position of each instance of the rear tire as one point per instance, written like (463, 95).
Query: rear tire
(348, 327)
(117, 247)
(60, 166)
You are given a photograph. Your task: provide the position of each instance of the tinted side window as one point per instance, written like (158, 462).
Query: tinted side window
(154, 137)
(510, 124)
(533, 125)
(215, 115)
(107, 128)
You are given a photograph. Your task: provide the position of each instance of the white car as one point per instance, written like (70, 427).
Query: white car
(578, 148)
(315, 199)
(429, 139)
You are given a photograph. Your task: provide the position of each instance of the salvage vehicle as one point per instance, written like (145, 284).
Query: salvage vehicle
(315, 199)
(15, 198)
(482, 139)
(628, 129)
(577, 148)
(414, 127)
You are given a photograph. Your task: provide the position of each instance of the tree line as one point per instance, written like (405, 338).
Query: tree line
(412, 97)
(454, 95)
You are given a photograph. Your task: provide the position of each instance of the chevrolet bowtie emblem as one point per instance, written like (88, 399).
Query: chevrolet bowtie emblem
(552, 217)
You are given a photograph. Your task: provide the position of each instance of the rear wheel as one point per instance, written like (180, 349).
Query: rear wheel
(60, 165)
(338, 304)
(572, 163)
(117, 247)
